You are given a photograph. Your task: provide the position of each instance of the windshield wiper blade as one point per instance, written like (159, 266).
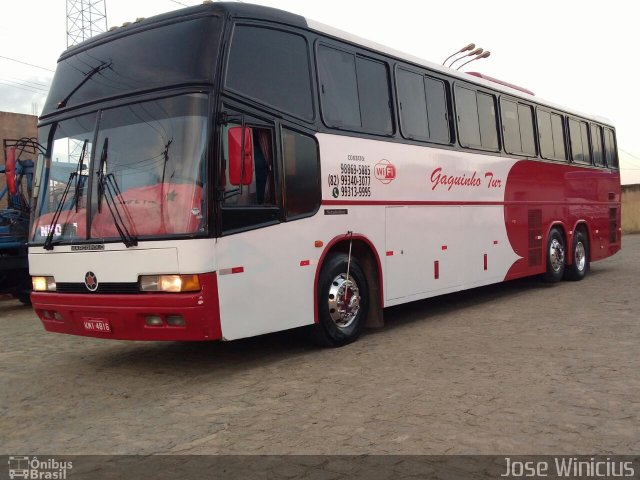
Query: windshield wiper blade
(48, 243)
(109, 190)
(87, 77)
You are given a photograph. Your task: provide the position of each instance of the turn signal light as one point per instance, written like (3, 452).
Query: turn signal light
(43, 284)
(169, 283)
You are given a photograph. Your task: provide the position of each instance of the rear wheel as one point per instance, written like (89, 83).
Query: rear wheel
(579, 256)
(343, 301)
(555, 256)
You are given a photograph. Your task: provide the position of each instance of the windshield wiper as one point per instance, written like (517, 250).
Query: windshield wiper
(87, 77)
(48, 243)
(109, 190)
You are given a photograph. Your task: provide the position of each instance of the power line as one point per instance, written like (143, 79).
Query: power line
(25, 85)
(180, 3)
(25, 63)
(24, 88)
(16, 79)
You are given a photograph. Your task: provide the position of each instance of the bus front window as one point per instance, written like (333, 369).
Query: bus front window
(149, 167)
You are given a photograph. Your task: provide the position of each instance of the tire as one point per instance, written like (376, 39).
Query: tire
(337, 325)
(580, 257)
(24, 298)
(555, 257)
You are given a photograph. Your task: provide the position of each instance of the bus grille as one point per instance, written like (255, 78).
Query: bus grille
(108, 288)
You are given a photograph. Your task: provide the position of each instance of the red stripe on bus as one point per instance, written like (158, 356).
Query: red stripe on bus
(305, 263)
(495, 242)
(485, 261)
(390, 253)
(436, 269)
(444, 247)
(237, 270)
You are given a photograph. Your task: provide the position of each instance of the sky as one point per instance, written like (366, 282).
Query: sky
(576, 53)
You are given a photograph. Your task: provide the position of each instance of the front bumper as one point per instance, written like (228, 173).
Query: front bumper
(126, 313)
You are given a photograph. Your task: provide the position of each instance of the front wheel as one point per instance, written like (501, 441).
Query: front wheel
(555, 256)
(343, 301)
(580, 257)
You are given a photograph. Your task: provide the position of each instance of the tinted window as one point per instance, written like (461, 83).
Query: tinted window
(142, 61)
(354, 90)
(373, 92)
(338, 87)
(579, 141)
(301, 173)
(596, 145)
(551, 134)
(413, 105)
(487, 116)
(584, 134)
(557, 127)
(437, 110)
(546, 134)
(467, 112)
(272, 67)
(511, 126)
(610, 148)
(525, 117)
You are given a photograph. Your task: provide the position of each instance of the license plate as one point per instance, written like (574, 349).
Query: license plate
(95, 325)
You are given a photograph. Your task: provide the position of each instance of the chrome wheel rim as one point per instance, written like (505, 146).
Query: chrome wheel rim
(344, 300)
(580, 256)
(556, 255)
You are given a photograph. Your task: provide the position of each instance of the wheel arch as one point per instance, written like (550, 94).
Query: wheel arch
(367, 254)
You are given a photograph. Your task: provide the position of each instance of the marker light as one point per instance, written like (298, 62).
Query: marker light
(169, 283)
(43, 284)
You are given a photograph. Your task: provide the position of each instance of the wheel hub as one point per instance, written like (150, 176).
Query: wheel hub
(556, 255)
(344, 300)
(581, 256)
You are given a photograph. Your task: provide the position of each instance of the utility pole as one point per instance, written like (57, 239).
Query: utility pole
(85, 18)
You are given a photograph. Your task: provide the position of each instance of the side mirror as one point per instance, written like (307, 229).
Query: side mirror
(240, 163)
(10, 170)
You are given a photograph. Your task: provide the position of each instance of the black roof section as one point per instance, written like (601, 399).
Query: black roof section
(228, 9)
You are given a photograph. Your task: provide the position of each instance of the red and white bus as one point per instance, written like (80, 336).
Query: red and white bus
(229, 170)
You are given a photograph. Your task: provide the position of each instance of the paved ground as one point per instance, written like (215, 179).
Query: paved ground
(516, 368)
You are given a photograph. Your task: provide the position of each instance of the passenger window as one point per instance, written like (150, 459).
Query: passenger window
(467, 112)
(596, 145)
(423, 107)
(354, 91)
(517, 125)
(557, 127)
(272, 67)
(546, 134)
(610, 148)
(579, 140)
(488, 125)
(301, 174)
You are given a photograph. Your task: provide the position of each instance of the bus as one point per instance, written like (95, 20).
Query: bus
(229, 170)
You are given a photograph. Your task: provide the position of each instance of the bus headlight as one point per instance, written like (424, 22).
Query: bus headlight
(169, 283)
(43, 284)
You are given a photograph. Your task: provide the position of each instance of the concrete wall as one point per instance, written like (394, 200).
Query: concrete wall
(631, 208)
(12, 127)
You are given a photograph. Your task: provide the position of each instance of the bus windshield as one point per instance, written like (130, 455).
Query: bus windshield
(147, 165)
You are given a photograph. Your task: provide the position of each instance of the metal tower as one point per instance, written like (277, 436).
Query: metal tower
(85, 18)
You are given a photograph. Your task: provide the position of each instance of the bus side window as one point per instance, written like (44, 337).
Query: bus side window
(260, 190)
(301, 174)
(596, 145)
(610, 148)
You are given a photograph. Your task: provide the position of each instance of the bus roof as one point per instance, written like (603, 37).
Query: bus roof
(245, 10)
